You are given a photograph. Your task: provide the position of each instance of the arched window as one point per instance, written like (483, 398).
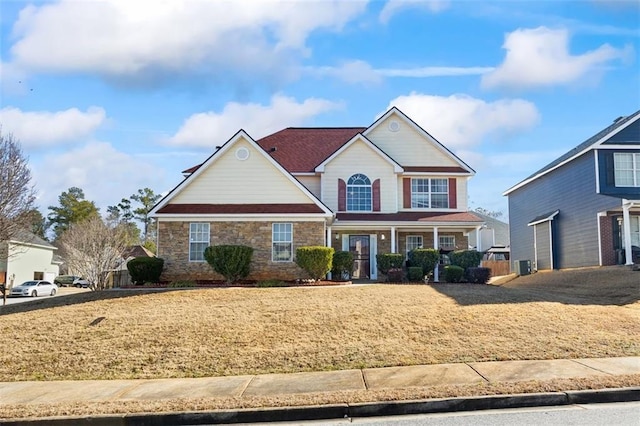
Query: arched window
(359, 193)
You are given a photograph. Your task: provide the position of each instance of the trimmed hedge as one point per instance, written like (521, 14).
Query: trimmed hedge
(233, 262)
(453, 274)
(427, 259)
(387, 261)
(478, 275)
(466, 258)
(395, 275)
(315, 260)
(342, 265)
(414, 273)
(145, 269)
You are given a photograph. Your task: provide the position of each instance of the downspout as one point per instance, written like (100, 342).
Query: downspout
(436, 272)
(626, 227)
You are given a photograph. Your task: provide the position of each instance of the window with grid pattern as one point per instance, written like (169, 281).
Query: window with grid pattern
(198, 241)
(446, 241)
(282, 242)
(413, 242)
(359, 196)
(430, 193)
(626, 169)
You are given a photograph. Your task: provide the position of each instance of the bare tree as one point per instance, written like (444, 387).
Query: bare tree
(92, 248)
(17, 194)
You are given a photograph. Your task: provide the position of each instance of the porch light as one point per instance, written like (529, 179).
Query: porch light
(382, 237)
(337, 237)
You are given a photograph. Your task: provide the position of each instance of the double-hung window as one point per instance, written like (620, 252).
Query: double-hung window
(446, 242)
(627, 168)
(430, 193)
(282, 242)
(359, 196)
(635, 230)
(198, 241)
(413, 242)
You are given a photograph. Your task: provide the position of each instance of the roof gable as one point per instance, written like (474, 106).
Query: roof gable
(405, 141)
(607, 137)
(243, 173)
(359, 138)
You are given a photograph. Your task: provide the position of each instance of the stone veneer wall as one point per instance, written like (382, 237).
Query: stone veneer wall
(173, 247)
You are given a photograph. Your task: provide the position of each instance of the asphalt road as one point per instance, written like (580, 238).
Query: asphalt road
(620, 414)
(62, 291)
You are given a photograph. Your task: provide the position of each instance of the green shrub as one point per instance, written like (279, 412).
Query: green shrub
(466, 258)
(387, 261)
(145, 269)
(233, 262)
(315, 260)
(181, 284)
(478, 275)
(271, 283)
(342, 265)
(453, 274)
(414, 273)
(427, 259)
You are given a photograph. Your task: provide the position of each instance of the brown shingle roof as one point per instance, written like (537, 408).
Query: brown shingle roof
(435, 169)
(300, 150)
(239, 208)
(411, 217)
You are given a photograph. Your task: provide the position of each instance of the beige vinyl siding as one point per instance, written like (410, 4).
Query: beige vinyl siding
(359, 158)
(462, 193)
(231, 181)
(25, 260)
(407, 146)
(312, 183)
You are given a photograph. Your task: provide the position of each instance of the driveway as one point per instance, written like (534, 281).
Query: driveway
(62, 291)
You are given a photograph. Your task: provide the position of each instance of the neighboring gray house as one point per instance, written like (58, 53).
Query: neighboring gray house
(494, 233)
(583, 209)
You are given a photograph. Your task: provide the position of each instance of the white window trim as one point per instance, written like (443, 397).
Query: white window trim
(369, 186)
(273, 242)
(635, 169)
(429, 193)
(208, 240)
(441, 244)
(421, 245)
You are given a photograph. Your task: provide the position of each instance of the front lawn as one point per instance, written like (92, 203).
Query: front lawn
(234, 331)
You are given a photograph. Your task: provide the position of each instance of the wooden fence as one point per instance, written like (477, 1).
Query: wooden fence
(498, 267)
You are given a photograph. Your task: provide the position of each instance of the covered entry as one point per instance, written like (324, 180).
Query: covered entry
(359, 246)
(544, 241)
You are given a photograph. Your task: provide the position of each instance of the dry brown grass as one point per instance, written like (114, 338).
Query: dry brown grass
(213, 332)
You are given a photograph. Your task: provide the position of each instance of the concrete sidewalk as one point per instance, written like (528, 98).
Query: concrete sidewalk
(37, 392)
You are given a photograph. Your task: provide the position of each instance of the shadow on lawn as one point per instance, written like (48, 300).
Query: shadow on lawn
(71, 299)
(617, 286)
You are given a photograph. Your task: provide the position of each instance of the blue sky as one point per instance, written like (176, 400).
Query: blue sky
(116, 95)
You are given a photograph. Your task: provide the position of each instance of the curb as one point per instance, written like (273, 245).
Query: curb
(340, 411)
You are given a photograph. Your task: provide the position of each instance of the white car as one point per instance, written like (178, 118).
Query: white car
(35, 288)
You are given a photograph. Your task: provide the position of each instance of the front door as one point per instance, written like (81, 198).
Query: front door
(359, 247)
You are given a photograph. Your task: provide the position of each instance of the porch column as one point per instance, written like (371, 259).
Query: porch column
(393, 240)
(328, 237)
(436, 272)
(626, 226)
(479, 238)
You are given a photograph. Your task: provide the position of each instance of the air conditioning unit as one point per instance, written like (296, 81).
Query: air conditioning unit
(522, 267)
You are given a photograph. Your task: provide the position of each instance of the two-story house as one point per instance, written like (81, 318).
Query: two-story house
(386, 188)
(582, 209)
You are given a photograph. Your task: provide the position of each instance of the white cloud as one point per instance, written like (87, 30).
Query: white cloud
(209, 129)
(393, 7)
(144, 40)
(103, 173)
(461, 121)
(358, 71)
(540, 57)
(43, 128)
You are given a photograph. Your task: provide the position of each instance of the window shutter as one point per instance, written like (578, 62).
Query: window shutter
(342, 195)
(610, 169)
(375, 188)
(406, 193)
(453, 194)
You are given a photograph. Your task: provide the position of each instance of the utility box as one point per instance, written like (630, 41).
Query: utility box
(522, 267)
